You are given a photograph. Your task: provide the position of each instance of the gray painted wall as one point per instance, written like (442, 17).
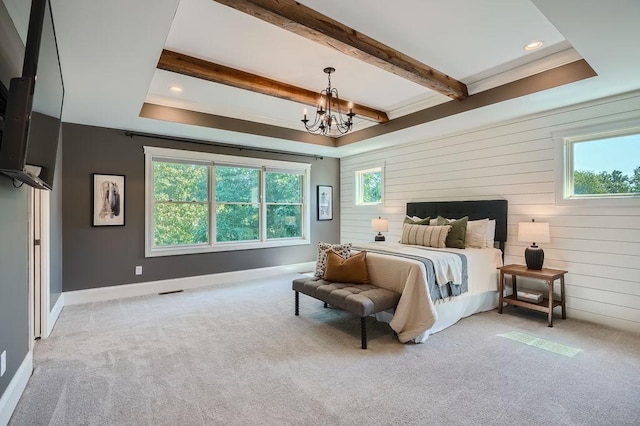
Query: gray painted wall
(107, 256)
(55, 208)
(14, 262)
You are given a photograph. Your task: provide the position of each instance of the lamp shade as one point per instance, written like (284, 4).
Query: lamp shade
(380, 225)
(533, 232)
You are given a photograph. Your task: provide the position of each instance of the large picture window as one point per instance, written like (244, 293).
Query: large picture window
(199, 202)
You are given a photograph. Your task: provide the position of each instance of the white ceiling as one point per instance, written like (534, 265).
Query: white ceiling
(109, 51)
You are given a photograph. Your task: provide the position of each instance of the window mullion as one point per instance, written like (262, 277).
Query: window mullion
(213, 205)
(262, 198)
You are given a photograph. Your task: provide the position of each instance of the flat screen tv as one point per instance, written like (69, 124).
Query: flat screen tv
(29, 143)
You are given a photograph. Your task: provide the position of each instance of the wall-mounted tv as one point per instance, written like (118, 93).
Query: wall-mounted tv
(4, 95)
(29, 143)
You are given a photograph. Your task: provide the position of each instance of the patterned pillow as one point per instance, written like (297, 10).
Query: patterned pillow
(343, 250)
(424, 235)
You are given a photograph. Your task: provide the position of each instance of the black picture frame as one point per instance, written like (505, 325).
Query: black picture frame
(325, 202)
(107, 200)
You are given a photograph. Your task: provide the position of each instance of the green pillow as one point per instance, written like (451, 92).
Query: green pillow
(458, 233)
(410, 221)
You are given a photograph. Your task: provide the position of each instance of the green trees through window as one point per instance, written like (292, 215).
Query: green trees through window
(587, 182)
(237, 204)
(606, 164)
(182, 203)
(284, 205)
(372, 187)
(369, 186)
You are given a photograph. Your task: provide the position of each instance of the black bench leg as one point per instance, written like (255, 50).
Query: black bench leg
(363, 331)
(297, 303)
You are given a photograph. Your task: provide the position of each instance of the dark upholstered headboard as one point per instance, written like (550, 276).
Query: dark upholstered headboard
(480, 209)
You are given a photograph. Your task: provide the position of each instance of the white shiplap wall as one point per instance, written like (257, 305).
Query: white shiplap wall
(516, 160)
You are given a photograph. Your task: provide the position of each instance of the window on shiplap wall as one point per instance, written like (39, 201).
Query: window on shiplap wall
(369, 184)
(601, 165)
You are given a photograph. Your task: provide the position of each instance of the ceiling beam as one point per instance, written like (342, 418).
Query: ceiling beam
(212, 121)
(199, 68)
(306, 22)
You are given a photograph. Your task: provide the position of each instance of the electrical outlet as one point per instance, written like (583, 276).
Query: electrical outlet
(3, 363)
(138, 270)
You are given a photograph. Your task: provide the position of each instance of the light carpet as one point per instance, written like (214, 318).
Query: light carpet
(236, 355)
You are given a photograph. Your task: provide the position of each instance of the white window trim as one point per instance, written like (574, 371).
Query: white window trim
(151, 153)
(564, 164)
(356, 185)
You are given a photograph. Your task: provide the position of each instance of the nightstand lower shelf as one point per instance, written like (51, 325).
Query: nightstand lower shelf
(542, 306)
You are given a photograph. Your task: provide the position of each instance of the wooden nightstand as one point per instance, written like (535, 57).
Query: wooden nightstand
(549, 276)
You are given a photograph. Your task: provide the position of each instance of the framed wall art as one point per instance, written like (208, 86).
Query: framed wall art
(108, 200)
(325, 202)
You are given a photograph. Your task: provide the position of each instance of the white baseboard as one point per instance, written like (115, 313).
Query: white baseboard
(152, 287)
(14, 391)
(53, 315)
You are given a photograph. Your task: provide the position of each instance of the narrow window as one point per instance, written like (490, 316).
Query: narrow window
(369, 186)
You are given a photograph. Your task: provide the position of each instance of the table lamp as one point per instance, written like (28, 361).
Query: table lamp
(532, 232)
(379, 225)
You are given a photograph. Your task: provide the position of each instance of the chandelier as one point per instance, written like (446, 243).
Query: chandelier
(327, 120)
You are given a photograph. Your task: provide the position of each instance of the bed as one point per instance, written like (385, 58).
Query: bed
(400, 267)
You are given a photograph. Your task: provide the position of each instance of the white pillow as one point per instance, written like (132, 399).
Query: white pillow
(491, 233)
(490, 236)
(434, 222)
(476, 235)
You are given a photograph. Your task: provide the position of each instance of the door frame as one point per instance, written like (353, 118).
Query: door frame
(39, 272)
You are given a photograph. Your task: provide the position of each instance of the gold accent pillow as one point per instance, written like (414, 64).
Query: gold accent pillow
(351, 270)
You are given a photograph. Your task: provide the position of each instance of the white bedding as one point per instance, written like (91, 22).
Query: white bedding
(416, 316)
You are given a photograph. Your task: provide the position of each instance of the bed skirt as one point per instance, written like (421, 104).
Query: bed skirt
(451, 311)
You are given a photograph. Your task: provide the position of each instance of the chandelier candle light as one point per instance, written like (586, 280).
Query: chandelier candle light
(379, 225)
(532, 232)
(325, 119)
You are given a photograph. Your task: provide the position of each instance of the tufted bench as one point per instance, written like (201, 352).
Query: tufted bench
(360, 299)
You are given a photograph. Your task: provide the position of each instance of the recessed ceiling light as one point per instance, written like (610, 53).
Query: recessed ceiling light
(534, 45)
(175, 89)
